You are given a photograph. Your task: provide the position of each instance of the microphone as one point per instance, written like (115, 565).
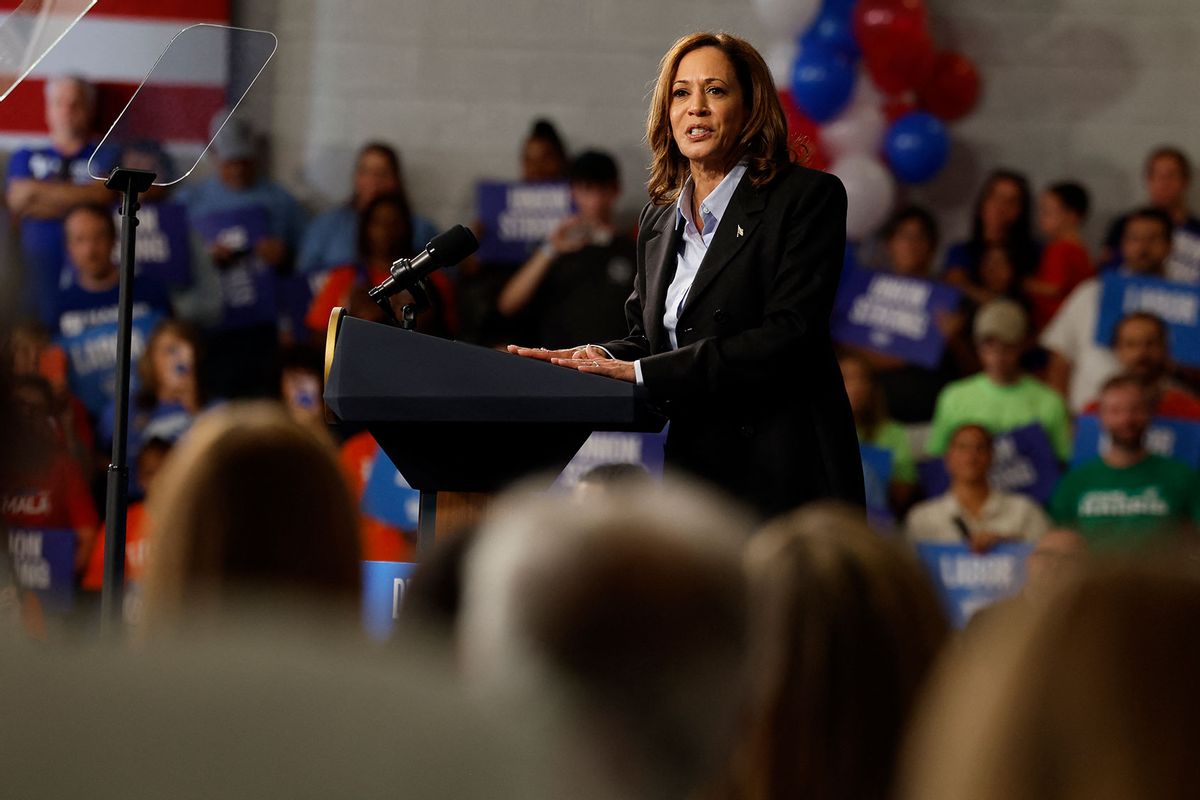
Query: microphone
(445, 250)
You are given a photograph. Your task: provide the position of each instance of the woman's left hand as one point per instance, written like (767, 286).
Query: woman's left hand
(608, 367)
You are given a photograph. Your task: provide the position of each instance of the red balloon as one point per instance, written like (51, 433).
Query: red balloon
(952, 89)
(803, 134)
(881, 20)
(897, 48)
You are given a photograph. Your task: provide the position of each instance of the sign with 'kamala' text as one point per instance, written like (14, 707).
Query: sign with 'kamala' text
(1176, 304)
(893, 314)
(517, 217)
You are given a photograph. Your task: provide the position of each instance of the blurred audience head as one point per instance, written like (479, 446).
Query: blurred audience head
(250, 507)
(1003, 211)
(235, 148)
(385, 229)
(301, 386)
(1125, 412)
(632, 608)
(911, 239)
(1168, 175)
(866, 400)
(150, 459)
(376, 172)
(70, 107)
(969, 455)
(1000, 329)
(1146, 241)
(1063, 208)
(543, 155)
(90, 236)
(1141, 345)
(1059, 556)
(167, 369)
(1091, 695)
(997, 271)
(595, 185)
(844, 628)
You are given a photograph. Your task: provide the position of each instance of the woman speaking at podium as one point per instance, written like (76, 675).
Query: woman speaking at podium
(739, 254)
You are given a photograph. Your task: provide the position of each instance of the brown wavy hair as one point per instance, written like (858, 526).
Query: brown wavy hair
(764, 140)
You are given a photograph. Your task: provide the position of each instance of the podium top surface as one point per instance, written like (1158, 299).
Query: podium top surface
(384, 374)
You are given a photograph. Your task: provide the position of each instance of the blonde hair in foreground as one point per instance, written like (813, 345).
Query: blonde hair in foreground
(249, 503)
(1090, 696)
(764, 141)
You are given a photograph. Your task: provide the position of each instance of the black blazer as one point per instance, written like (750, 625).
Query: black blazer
(754, 392)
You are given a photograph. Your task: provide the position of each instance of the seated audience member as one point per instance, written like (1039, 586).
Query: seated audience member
(1140, 344)
(971, 511)
(251, 226)
(1002, 396)
(385, 234)
(32, 353)
(150, 458)
(844, 628)
(1128, 496)
(332, 237)
(301, 389)
(1078, 364)
(875, 428)
(1065, 262)
(42, 486)
(910, 239)
(632, 612)
(1091, 695)
(251, 507)
(44, 183)
(1168, 180)
(1002, 223)
(575, 286)
(87, 309)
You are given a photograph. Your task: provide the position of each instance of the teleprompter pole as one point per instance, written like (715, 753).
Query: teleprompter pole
(130, 183)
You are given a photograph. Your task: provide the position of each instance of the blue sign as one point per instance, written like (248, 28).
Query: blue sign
(249, 292)
(387, 496)
(45, 563)
(89, 338)
(384, 584)
(893, 315)
(1174, 438)
(967, 582)
(1023, 461)
(615, 447)
(1177, 304)
(163, 243)
(877, 474)
(517, 217)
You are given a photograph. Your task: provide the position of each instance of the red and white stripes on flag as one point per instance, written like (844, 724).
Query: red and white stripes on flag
(114, 46)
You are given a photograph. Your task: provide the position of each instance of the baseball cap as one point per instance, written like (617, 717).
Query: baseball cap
(1004, 320)
(233, 142)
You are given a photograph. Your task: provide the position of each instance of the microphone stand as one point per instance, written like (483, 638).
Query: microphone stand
(130, 183)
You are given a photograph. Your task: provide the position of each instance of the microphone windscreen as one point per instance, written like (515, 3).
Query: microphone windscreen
(452, 246)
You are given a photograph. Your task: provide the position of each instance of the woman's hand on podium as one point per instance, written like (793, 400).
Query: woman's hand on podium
(585, 358)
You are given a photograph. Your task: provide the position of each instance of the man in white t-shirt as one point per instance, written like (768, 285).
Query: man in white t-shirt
(1079, 365)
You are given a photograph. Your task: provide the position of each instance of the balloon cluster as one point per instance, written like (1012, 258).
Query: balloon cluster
(869, 93)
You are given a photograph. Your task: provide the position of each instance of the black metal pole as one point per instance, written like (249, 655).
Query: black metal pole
(131, 183)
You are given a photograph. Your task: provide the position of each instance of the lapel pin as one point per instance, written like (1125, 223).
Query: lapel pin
(740, 231)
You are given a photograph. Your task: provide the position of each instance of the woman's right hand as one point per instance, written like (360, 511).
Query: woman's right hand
(583, 351)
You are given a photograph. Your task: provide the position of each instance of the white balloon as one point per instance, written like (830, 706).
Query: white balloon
(865, 92)
(786, 17)
(870, 192)
(858, 130)
(781, 57)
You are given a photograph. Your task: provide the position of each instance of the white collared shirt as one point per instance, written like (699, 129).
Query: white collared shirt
(693, 246)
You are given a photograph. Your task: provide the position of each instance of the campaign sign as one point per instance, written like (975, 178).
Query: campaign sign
(1177, 304)
(1174, 438)
(877, 473)
(966, 581)
(615, 447)
(249, 294)
(162, 238)
(44, 561)
(384, 584)
(89, 337)
(1184, 264)
(1023, 461)
(387, 496)
(517, 217)
(893, 315)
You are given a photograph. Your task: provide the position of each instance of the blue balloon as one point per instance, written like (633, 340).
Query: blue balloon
(833, 30)
(916, 146)
(822, 81)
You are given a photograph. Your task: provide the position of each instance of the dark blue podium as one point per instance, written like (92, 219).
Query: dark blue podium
(460, 421)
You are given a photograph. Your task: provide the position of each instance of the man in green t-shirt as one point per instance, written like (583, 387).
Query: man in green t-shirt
(1128, 496)
(1003, 396)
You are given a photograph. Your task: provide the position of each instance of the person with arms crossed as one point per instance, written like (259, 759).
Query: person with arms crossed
(739, 254)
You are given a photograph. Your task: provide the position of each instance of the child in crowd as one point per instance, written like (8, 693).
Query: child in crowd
(1065, 262)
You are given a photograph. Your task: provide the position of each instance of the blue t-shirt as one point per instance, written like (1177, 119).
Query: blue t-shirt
(87, 331)
(332, 239)
(42, 239)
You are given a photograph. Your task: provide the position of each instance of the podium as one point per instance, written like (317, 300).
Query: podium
(461, 422)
